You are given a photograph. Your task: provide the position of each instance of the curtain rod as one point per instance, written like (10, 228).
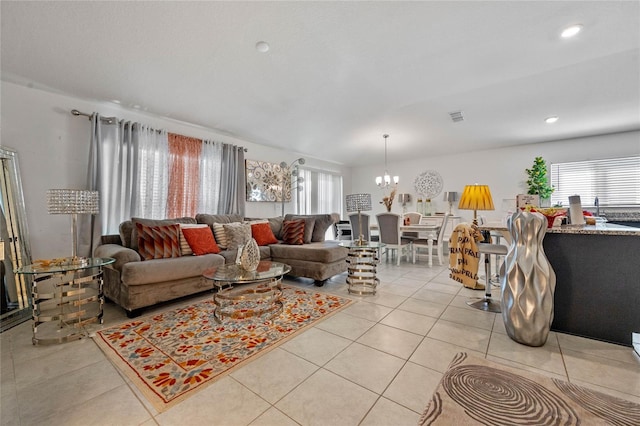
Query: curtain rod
(111, 120)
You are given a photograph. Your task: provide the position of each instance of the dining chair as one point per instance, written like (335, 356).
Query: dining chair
(355, 226)
(389, 228)
(437, 243)
(414, 219)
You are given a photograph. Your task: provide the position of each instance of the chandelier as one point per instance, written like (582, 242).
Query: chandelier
(385, 180)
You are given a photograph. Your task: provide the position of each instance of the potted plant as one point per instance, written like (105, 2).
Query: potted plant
(537, 182)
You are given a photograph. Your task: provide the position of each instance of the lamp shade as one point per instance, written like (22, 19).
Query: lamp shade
(358, 202)
(72, 201)
(476, 197)
(450, 196)
(404, 198)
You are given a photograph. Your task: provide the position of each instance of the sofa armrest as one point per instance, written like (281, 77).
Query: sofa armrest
(121, 254)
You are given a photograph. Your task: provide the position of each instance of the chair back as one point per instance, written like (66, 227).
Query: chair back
(389, 227)
(355, 226)
(441, 232)
(414, 217)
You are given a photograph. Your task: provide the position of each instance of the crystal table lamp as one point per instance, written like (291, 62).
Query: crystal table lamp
(73, 202)
(476, 197)
(359, 203)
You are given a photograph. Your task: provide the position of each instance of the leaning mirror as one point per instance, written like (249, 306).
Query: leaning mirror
(15, 251)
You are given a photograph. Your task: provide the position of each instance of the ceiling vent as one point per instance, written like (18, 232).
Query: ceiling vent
(456, 116)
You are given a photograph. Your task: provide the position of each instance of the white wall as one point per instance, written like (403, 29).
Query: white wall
(502, 169)
(53, 150)
(52, 147)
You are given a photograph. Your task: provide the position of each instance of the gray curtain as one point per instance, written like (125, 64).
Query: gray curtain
(232, 181)
(127, 166)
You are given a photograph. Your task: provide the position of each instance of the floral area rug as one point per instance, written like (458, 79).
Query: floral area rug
(476, 391)
(171, 355)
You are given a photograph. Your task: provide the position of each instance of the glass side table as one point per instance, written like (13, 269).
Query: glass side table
(66, 297)
(362, 262)
(263, 297)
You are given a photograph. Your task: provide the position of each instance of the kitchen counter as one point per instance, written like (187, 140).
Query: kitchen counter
(601, 229)
(597, 279)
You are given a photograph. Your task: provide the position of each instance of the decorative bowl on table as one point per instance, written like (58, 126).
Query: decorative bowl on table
(551, 213)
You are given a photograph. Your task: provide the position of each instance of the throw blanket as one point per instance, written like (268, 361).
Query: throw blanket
(464, 256)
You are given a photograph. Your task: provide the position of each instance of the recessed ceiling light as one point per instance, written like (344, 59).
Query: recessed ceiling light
(262, 46)
(571, 31)
(551, 120)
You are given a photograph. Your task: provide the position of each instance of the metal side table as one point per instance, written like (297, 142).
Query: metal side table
(362, 262)
(67, 296)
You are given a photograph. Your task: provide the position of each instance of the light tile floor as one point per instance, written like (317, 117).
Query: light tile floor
(375, 363)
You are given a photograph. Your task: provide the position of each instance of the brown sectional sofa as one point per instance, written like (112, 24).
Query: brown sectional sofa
(134, 284)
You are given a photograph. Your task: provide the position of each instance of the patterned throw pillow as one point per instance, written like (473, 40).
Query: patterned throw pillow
(237, 234)
(185, 249)
(293, 232)
(201, 240)
(158, 242)
(221, 235)
(263, 234)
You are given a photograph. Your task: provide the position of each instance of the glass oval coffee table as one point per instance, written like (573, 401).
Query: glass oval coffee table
(261, 296)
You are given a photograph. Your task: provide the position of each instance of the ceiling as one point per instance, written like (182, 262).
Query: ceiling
(339, 75)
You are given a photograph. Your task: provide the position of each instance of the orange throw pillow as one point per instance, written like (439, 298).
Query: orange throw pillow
(201, 240)
(262, 233)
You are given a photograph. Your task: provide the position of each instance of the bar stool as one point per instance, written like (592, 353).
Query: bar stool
(495, 237)
(487, 303)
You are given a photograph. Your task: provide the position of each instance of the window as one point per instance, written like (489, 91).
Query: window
(322, 192)
(616, 182)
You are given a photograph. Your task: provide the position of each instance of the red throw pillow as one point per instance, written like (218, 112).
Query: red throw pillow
(293, 232)
(201, 240)
(158, 242)
(262, 233)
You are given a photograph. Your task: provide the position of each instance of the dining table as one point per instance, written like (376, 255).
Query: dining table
(429, 232)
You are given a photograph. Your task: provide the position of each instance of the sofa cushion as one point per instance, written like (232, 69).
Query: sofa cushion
(309, 222)
(323, 252)
(158, 242)
(129, 234)
(210, 219)
(276, 226)
(293, 232)
(201, 240)
(237, 234)
(185, 248)
(163, 270)
(321, 222)
(263, 234)
(320, 226)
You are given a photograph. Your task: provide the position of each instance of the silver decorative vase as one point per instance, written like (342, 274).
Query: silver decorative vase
(250, 256)
(529, 281)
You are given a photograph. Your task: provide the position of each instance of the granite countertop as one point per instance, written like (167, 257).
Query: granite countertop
(601, 229)
(621, 216)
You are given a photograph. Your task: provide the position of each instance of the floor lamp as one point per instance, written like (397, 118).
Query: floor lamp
(359, 203)
(73, 202)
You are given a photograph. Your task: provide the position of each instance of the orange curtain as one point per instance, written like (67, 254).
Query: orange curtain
(184, 175)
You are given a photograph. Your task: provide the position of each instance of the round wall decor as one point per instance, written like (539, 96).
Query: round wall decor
(428, 184)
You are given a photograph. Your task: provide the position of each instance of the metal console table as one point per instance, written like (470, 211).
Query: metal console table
(67, 296)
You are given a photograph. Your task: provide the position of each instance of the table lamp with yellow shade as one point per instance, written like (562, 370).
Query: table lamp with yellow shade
(476, 197)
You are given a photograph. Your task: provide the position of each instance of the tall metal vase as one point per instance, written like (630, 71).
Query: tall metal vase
(529, 281)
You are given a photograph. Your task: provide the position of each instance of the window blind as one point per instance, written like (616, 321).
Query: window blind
(615, 181)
